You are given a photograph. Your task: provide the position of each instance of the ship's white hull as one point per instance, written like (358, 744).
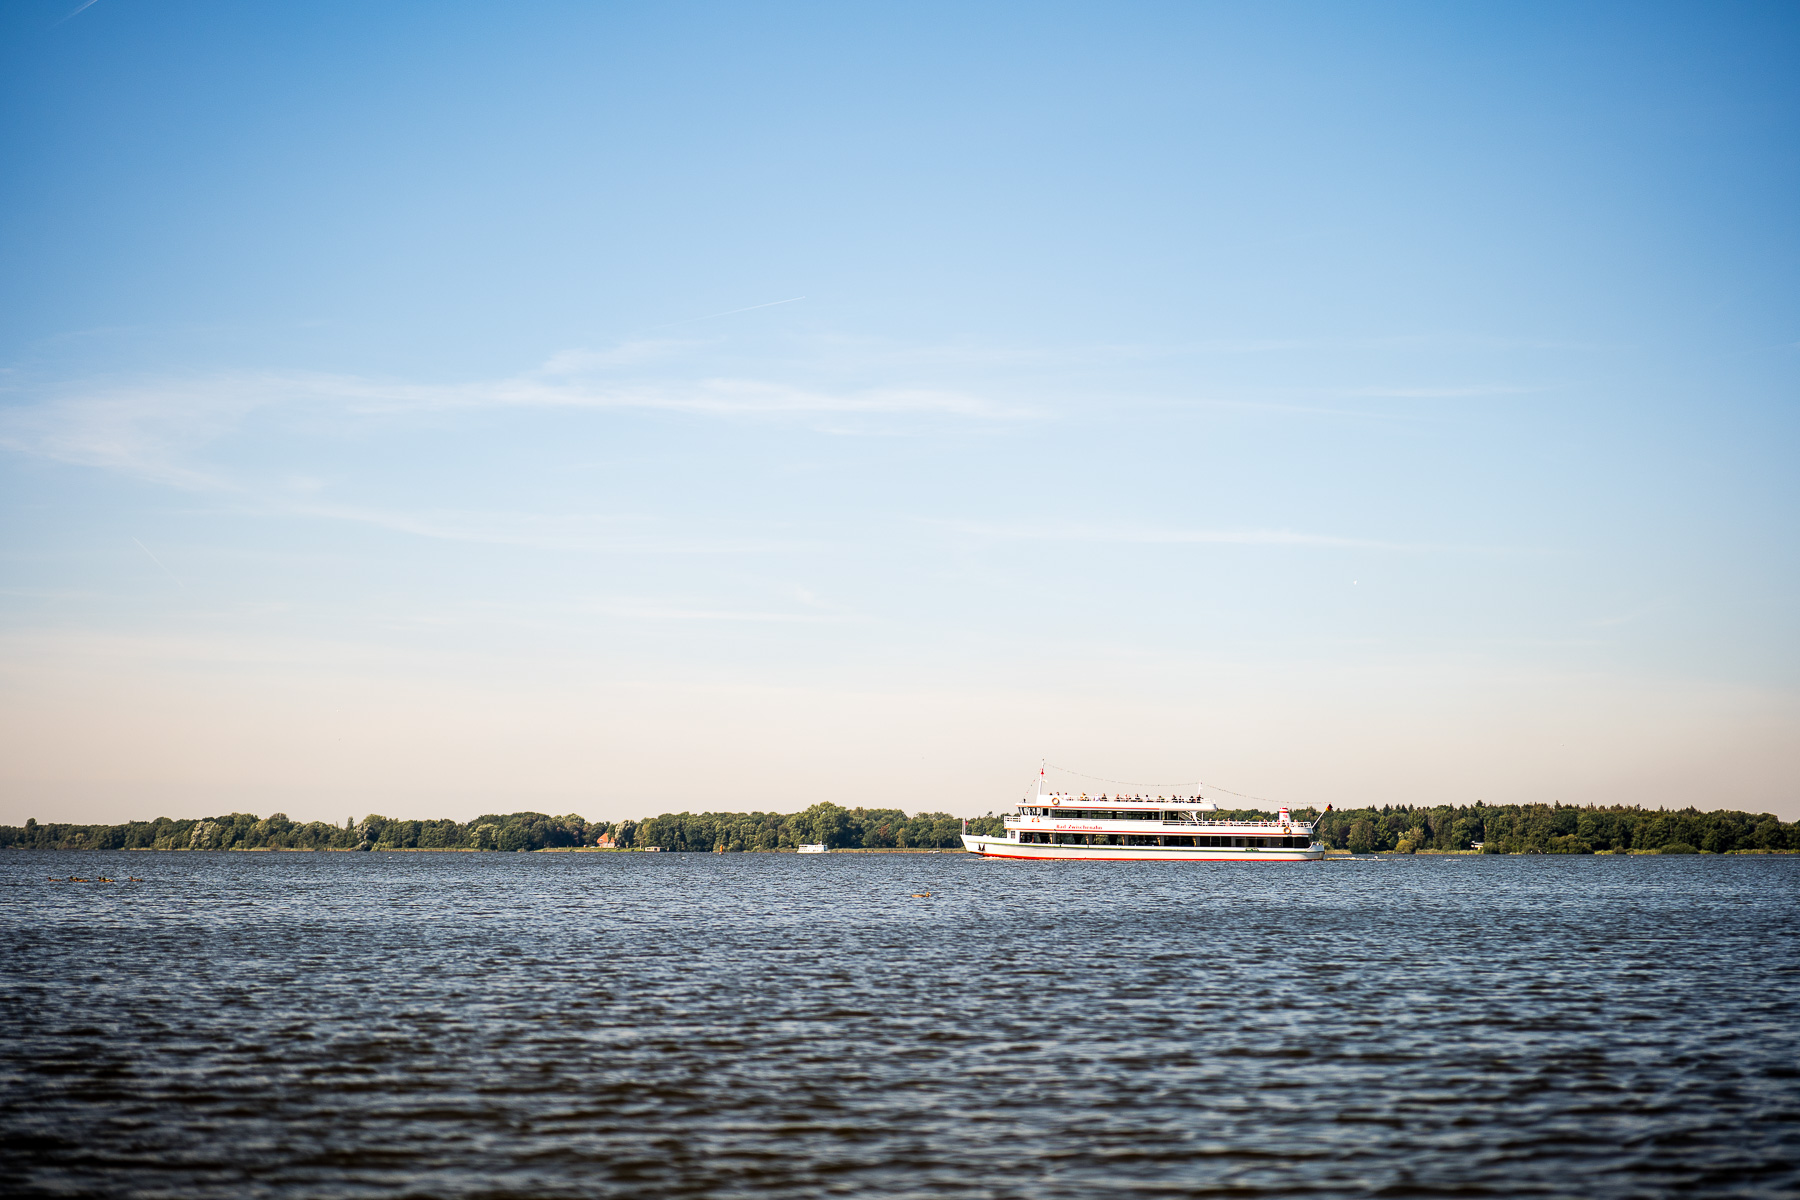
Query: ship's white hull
(999, 847)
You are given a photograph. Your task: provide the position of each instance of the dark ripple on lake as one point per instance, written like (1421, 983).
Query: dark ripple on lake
(682, 1025)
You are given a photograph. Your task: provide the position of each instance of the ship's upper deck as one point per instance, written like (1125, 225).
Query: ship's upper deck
(1135, 812)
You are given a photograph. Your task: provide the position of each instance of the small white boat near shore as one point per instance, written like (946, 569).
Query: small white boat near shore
(812, 847)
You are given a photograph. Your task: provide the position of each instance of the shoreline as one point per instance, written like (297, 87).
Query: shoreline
(455, 850)
(1330, 855)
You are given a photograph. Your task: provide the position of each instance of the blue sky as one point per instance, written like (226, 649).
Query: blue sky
(436, 409)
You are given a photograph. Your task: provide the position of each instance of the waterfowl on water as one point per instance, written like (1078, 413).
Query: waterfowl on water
(133, 879)
(921, 895)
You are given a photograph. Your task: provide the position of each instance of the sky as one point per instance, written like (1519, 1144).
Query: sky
(439, 409)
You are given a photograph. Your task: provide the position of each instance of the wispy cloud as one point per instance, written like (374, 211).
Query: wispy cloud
(1442, 392)
(79, 8)
(718, 396)
(1615, 620)
(169, 429)
(1155, 536)
(145, 429)
(656, 611)
(731, 312)
(596, 533)
(157, 561)
(635, 352)
(155, 428)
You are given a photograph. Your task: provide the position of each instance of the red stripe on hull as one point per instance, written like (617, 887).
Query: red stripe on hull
(1268, 858)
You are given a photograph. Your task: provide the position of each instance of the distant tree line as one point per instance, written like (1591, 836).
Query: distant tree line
(1554, 829)
(1498, 829)
(246, 831)
(830, 824)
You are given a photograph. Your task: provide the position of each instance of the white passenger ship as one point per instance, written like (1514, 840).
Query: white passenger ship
(1058, 825)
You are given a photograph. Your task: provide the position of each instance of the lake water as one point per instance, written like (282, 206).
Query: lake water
(345, 1025)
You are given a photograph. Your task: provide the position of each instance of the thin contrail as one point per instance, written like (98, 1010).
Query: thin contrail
(709, 316)
(78, 8)
(140, 545)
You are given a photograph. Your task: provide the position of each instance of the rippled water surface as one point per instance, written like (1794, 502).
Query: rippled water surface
(324, 1025)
